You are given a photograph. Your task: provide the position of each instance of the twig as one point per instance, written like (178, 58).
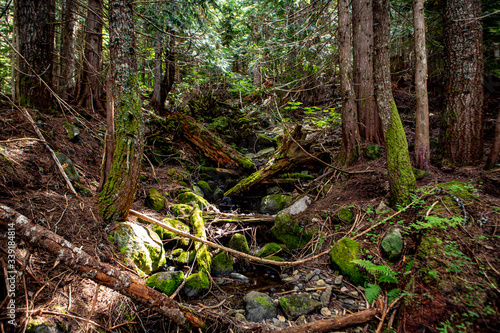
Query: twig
(55, 313)
(97, 288)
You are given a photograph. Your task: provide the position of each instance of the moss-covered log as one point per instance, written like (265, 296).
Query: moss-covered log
(291, 152)
(203, 256)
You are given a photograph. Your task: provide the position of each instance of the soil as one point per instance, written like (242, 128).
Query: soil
(46, 291)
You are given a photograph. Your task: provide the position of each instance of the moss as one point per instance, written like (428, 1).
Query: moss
(203, 256)
(192, 199)
(181, 209)
(186, 257)
(204, 186)
(271, 204)
(239, 242)
(222, 264)
(198, 281)
(244, 183)
(68, 166)
(289, 231)
(73, 131)
(342, 254)
(373, 152)
(296, 176)
(464, 191)
(83, 189)
(155, 200)
(166, 234)
(268, 250)
(266, 302)
(344, 215)
(166, 282)
(275, 258)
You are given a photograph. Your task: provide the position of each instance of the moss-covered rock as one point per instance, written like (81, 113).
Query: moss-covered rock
(268, 250)
(181, 209)
(344, 216)
(192, 199)
(198, 191)
(141, 245)
(177, 175)
(203, 256)
(259, 306)
(295, 306)
(272, 204)
(290, 232)
(169, 235)
(392, 244)
(184, 257)
(73, 132)
(166, 282)
(342, 254)
(373, 152)
(155, 200)
(205, 187)
(196, 284)
(239, 242)
(68, 166)
(222, 264)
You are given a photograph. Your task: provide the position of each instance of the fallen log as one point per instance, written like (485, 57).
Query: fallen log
(289, 154)
(334, 323)
(103, 274)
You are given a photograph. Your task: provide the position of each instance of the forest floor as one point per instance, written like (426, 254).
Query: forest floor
(463, 298)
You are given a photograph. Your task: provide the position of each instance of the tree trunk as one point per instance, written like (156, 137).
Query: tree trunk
(163, 83)
(462, 124)
(88, 267)
(92, 88)
(422, 146)
(158, 74)
(118, 192)
(36, 45)
(495, 147)
(350, 133)
(399, 169)
(370, 128)
(67, 78)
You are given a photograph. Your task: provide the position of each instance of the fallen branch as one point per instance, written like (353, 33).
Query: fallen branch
(88, 267)
(227, 249)
(335, 323)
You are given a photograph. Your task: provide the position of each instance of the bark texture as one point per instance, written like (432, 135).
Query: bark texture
(88, 267)
(462, 124)
(422, 146)
(369, 122)
(36, 45)
(117, 195)
(495, 147)
(92, 87)
(350, 133)
(67, 69)
(399, 169)
(163, 82)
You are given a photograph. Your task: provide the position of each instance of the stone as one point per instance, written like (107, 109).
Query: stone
(301, 321)
(181, 209)
(290, 231)
(342, 254)
(350, 304)
(142, 245)
(272, 204)
(198, 191)
(326, 312)
(299, 206)
(338, 279)
(222, 264)
(169, 235)
(218, 194)
(73, 132)
(166, 282)
(268, 250)
(310, 275)
(193, 199)
(344, 216)
(392, 244)
(294, 306)
(289, 279)
(205, 187)
(196, 284)
(238, 276)
(373, 152)
(320, 283)
(259, 306)
(239, 317)
(239, 243)
(155, 200)
(326, 296)
(68, 166)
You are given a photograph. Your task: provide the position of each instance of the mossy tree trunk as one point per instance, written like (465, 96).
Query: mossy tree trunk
(117, 195)
(399, 169)
(462, 123)
(36, 45)
(163, 83)
(350, 132)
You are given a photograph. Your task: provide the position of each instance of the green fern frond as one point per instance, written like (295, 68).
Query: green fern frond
(372, 292)
(393, 294)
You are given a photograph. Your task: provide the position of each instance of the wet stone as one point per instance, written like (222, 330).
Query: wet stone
(317, 271)
(320, 283)
(338, 279)
(315, 278)
(350, 304)
(344, 290)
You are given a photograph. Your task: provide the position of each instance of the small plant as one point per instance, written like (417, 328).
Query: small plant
(381, 274)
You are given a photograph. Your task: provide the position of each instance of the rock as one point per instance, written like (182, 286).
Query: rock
(205, 187)
(196, 284)
(350, 304)
(155, 200)
(181, 209)
(320, 283)
(317, 271)
(294, 306)
(192, 199)
(271, 204)
(392, 244)
(259, 306)
(373, 152)
(218, 194)
(344, 290)
(289, 279)
(338, 279)
(273, 190)
(141, 245)
(169, 235)
(73, 132)
(268, 250)
(222, 264)
(290, 231)
(198, 191)
(342, 254)
(35, 327)
(166, 282)
(68, 166)
(301, 321)
(265, 153)
(310, 275)
(239, 243)
(326, 312)
(238, 276)
(281, 319)
(239, 316)
(326, 296)
(383, 208)
(298, 206)
(344, 215)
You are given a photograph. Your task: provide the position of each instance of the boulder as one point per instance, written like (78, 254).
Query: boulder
(269, 250)
(222, 264)
(155, 200)
(259, 306)
(392, 244)
(166, 282)
(196, 284)
(271, 204)
(295, 306)
(239, 243)
(68, 166)
(342, 254)
(290, 231)
(169, 235)
(193, 199)
(181, 209)
(298, 206)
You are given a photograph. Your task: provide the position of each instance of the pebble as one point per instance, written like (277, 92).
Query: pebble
(239, 316)
(338, 279)
(326, 296)
(289, 279)
(300, 285)
(296, 276)
(315, 278)
(301, 320)
(239, 276)
(296, 288)
(320, 283)
(282, 319)
(354, 293)
(295, 272)
(310, 275)
(326, 312)
(317, 271)
(344, 290)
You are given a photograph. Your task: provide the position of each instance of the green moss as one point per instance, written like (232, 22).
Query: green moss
(166, 282)
(344, 215)
(271, 204)
(186, 257)
(203, 256)
(296, 176)
(268, 250)
(181, 209)
(192, 199)
(275, 258)
(244, 183)
(198, 281)
(373, 152)
(266, 302)
(155, 200)
(342, 254)
(204, 186)
(222, 264)
(290, 232)
(239, 242)
(464, 191)
(166, 234)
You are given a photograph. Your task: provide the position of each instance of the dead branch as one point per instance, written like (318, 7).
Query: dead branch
(103, 274)
(334, 323)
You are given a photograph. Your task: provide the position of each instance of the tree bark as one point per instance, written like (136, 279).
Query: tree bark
(88, 267)
(462, 124)
(349, 150)
(163, 82)
(36, 45)
(117, 195)
(495, 147)
(370, 128)
(422, 146)
(67, 69)
(92, 87)
(399, 169)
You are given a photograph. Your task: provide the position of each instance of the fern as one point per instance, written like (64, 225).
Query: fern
(382, 273)
(393, 294)
(372, 292)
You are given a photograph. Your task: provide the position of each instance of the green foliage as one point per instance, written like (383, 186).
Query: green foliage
(437, 222)
(372, 291)
(381, 273)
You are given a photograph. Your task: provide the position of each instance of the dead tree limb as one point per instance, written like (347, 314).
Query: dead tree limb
(88, 267)
(334, 323)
